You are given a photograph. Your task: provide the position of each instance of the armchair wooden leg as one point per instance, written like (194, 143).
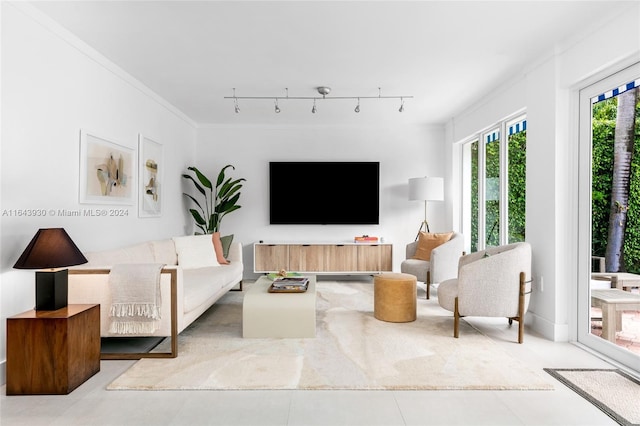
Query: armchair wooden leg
(456, 319)
(521, 301)
(520, 331)
(521, 308)
(428, 283)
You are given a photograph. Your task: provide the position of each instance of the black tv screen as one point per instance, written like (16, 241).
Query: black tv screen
(324, 193)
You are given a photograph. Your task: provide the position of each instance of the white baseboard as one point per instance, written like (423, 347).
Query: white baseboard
(3, 373)
(548, 329)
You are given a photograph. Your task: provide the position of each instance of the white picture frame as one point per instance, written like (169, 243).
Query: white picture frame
(150, 177)
(107, 171)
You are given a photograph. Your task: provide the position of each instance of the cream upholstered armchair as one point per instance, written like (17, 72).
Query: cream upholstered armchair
(495, 282)
(442, 264)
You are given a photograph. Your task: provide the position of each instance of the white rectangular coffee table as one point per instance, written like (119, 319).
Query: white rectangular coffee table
(267, 314)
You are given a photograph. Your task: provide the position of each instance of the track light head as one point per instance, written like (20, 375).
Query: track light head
(277, 108)
(314, 109)
(401, 109)
(236, 108)
(357, 110)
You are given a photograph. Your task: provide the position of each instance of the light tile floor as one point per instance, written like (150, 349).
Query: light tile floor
(91, 404)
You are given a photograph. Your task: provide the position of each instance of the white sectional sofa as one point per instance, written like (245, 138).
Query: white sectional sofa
(198, 281)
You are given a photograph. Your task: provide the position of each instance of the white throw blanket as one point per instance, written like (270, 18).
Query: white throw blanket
(135, 298)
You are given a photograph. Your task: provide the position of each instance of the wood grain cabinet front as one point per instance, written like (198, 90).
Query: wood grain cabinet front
(348, 258)
(270, 257)
(306, 257)
(52, 352)
(340, 258)
(374, 257)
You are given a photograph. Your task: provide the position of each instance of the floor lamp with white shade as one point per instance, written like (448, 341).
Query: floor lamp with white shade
(426, 189)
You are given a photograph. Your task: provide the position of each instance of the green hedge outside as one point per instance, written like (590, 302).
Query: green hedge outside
(517, 153)
(604, 124)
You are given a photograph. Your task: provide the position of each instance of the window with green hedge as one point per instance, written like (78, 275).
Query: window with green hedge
(494, 184)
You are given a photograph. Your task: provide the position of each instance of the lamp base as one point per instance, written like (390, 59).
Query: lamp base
(51, 290)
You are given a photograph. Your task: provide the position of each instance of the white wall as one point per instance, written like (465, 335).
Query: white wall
(403, 151)
(548, 90)
(53, 86)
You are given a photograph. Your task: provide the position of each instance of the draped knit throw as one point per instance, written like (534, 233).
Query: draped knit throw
(135, 298)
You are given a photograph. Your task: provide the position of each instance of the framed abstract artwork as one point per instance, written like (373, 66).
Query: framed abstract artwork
(150, 173)
(107, 171)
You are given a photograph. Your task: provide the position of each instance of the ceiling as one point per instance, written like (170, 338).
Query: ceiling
(446, 54)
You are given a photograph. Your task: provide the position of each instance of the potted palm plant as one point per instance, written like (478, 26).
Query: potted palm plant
(215, 202)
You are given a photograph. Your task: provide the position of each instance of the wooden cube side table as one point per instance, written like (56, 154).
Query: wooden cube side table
(52, 352)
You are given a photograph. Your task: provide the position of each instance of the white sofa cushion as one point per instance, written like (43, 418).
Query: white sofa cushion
(195, 251)
(201, 284)
(164, 251)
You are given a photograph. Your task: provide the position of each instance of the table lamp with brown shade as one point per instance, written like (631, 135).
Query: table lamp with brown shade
(50, 249)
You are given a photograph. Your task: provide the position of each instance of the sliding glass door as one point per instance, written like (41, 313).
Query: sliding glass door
(609, 217)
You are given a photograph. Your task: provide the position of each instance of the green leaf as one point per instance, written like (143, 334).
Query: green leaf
(197, 217)
(226, 205)
(213, 223)
(234, 208)
(229, 188)
(202, 178)
(221, 174)
(198, 187)
(194, 200)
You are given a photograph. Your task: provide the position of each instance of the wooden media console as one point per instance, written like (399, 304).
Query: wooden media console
(326, 258)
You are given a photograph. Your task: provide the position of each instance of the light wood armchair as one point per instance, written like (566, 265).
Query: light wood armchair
(443, 263)
(491, 283)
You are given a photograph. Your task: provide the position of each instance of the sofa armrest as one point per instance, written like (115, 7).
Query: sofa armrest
(91, 286)
(489, 286)
(410, 250)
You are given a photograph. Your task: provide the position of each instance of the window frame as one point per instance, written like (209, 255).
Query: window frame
(501, 129)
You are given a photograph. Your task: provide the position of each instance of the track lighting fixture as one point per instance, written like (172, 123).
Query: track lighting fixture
(323, 91)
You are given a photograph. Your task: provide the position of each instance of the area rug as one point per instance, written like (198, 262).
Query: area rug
(351, 350)
(614, 392)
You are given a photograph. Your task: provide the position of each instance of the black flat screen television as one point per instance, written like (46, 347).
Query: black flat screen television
(324, 192)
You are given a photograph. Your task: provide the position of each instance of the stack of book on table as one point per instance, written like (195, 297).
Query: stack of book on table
(365, 239)
(289, 285)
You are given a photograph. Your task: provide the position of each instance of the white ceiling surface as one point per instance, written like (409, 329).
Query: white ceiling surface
(446, 54)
